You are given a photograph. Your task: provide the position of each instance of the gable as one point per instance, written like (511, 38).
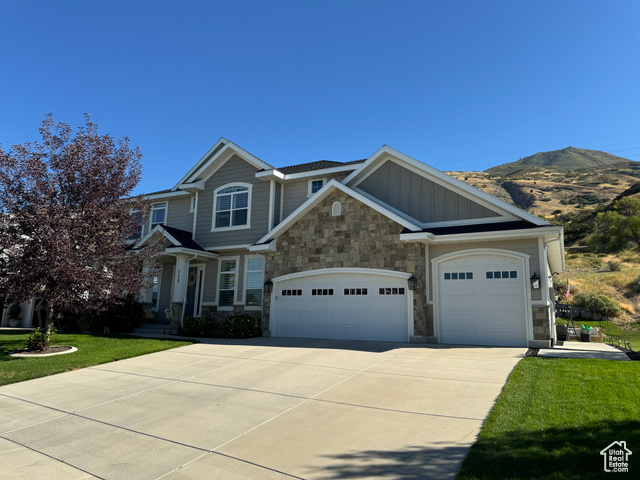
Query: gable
(419, 197)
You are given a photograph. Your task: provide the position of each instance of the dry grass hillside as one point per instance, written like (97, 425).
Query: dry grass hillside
(548, 192)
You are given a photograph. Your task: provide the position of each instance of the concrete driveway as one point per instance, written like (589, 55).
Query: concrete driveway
(264, 408)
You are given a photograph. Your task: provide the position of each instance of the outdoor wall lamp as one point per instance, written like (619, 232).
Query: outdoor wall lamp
(413, 282)
(268, 286)
(535, 281)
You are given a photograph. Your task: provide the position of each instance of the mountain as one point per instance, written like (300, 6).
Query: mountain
(569, 158)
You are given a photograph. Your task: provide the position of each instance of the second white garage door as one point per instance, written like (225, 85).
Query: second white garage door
(354, 306)
(482, 300)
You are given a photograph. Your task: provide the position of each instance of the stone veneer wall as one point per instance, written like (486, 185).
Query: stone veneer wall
(359, 238)
(541, 323)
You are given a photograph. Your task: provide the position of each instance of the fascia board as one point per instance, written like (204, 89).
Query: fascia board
(190, 251)
(425, 237)
(154, 230)
(266, 175)
(255, 161)
(265, 247)
(446, 181)
(159, 196)
(199, 163)
(324, 171)
(195, 186)
(321, 195)
(498, 235)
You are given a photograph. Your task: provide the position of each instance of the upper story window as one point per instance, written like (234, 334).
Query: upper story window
(139, 219)
(232, 206)
(158, 214)
(315, 185)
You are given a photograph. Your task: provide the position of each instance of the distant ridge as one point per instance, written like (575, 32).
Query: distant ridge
(569, 158)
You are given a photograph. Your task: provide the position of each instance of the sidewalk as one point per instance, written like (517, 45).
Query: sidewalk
(600, 351)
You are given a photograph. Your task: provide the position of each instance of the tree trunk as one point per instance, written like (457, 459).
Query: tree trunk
(48, 326)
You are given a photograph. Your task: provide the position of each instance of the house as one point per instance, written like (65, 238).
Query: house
(385, 248)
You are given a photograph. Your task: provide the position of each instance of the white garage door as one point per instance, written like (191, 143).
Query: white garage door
(354, 306)
(482, 300)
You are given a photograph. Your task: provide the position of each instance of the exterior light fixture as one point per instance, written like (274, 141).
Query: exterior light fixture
(413, 282)
(535, 281)
(268, 286)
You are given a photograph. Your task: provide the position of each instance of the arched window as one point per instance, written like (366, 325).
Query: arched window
(232, 206)
(336, 209)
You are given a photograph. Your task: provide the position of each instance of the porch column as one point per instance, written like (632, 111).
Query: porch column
(180, 280)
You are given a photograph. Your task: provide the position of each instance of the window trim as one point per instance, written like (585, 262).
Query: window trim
(310, 183)
(166, 214)
(244, 282)
(235, 258)
(215, 200)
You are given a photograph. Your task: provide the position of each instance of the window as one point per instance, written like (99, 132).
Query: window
(503, 274)
(139, 219)
(155, 291)
(355, 291)
(158, 214)
(291, 293)
(232, 206)
(254, 280)
(391, 291)
(459, 276)
(336, 209)
(194, 202)
(322, 291)
(315, 185)
(227, 282)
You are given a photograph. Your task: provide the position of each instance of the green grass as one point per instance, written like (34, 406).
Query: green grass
(553, 418)
(92, 350)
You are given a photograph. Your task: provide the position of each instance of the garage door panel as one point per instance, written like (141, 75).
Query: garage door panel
(358, 309)
(482, 300)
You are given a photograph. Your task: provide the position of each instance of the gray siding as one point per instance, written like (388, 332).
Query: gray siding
(276, 208)
(418, 197)
(529, 246)
(295, 193)
(178, 214)
(234, 170)
(210, 281)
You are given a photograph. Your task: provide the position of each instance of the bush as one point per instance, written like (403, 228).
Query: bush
(198, 326)
(38, 340)
(241, 325)
(598, 303)
(635, 285)
(614, 266)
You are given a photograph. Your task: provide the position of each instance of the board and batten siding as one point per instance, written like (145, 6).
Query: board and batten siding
(234, 170)
(419, 197)
(296, 193)
(276, 207)
(528, 246)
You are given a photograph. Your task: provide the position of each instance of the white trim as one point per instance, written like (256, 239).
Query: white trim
(272, 202)
(190, 251)
(310, 185)
(426, 274)
(159, 196)
(439, 177)
(296, 176)
(244, 283)
(218, 283)
(264, 247)
(195, 215)
(249, 188)
(230, 247)
(321, 195)
(192, 187)
(480, 236)
(523, 257)
(328, 271)
(166, 215)
(199, 163)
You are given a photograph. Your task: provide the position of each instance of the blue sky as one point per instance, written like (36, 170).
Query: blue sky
(459, 85)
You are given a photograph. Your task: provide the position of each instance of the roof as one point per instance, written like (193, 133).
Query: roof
(183, 238)
(480, 228)
(319, 165)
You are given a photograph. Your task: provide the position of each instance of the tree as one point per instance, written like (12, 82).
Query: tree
(65, 221)
(618, 227)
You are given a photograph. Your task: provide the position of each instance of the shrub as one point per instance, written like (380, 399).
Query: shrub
(598, 303)
(635, 285)
(241, 325)
(38, 340)
(198, 326)
(614, 266)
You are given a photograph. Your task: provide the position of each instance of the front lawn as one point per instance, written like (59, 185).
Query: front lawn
(553, 418)
(92, 350)
(630, 332)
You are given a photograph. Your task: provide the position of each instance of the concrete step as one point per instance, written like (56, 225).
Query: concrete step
(157, 329)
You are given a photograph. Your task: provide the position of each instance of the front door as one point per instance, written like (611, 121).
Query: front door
(194, 291)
